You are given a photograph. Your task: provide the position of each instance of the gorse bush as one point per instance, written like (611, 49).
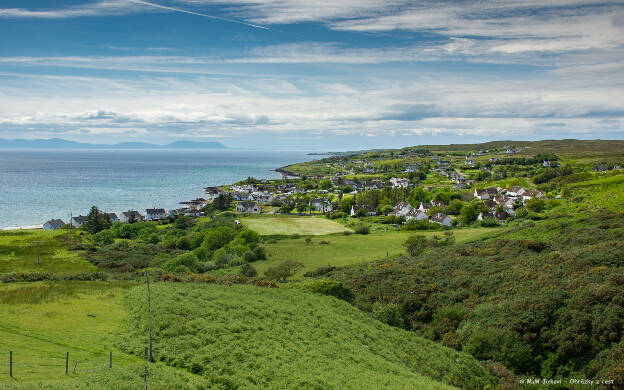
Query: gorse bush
(545, 298)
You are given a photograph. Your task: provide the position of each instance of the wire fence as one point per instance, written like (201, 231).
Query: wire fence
(25, 364)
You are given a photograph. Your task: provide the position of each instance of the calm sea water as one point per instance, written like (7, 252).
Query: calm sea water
(37, 185)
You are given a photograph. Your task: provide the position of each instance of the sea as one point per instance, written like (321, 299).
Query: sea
(38, 185)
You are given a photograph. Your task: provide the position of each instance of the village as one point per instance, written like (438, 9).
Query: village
(338, 186)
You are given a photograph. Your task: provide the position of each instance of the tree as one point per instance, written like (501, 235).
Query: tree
(469, 214)
(415, 244)
(454, 207)
(223, 201)
(324, 184)
(283, 271)
(96, 221)
(536, 204)
(301, 207)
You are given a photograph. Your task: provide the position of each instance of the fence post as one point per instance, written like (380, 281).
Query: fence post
(110, 360)
(67, 363)
(11, 364)
(145, 370)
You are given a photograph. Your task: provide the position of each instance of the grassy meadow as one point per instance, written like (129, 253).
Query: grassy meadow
(341, 250)
(263, 338)
(287, 224)
(18, 253)
(41, 321)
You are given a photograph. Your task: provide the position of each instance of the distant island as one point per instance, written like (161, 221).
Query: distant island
(58, 143)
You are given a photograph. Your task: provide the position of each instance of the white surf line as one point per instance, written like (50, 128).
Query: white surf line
(198, 14)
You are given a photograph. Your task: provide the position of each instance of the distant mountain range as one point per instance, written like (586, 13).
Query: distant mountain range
(58, 143)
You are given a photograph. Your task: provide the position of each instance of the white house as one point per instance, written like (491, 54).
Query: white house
(401, 209)
(322, 205)
(481, 194)
(416, 214)
(78, 221)
(155, 214)
(248, 207)
(399, 182)
(126, 216)
(515, 191)
(53, 224)
(441, 219)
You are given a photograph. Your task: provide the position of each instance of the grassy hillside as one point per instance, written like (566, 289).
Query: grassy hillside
(250, 337)
(41, 321)
(18, 253)
(285, 224)
(339, 250)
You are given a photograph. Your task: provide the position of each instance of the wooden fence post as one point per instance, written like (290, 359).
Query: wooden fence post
(11, 364)
(110, 360)
(67, 363)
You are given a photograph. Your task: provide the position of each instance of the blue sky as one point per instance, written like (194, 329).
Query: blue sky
(311, 74)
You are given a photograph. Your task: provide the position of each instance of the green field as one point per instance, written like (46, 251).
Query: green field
(18, 253)
(352, 249)
(286, 224)
(265, 338)
(42, 321)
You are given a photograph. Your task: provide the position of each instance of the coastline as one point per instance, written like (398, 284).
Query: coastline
(30, 225)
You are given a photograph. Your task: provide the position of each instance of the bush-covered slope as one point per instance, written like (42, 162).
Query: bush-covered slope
(250, 337)
(545, 299)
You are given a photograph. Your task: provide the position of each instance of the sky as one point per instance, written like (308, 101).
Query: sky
(311, 74)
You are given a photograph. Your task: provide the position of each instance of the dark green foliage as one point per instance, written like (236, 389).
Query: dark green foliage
(544, 299)
(536, 204)
(413, 224)
(415, 245)
(96, 221)
(223, 202)
(248, 270)
(183, 263)
(331, 287)
(250, 256)
(218, 237)
(260, 253)
(105, 237)
(283, 271)
(362, 229)
(469, 213)
(489, 222)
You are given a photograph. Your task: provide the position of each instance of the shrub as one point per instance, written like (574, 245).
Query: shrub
(283, 271)
(250, 256)
(320, 271)
(536, 204)
(182, 263)
(105, 237)
(248, 270)
(489, 222)
(331, 287)
(521, 212)
(390, 314)
(260, 253)
(362, 229)
(415, 245)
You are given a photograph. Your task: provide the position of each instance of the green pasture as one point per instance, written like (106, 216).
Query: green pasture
(18, 253)
(341, 250)
(42, 321)
(288, 224)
